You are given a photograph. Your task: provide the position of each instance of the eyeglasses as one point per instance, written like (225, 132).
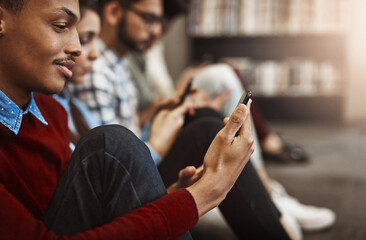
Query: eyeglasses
(149, 18)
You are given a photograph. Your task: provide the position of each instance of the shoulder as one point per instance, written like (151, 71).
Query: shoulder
(51, 109)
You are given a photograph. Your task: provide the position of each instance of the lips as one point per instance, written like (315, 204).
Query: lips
(87, 70)
(66, 67)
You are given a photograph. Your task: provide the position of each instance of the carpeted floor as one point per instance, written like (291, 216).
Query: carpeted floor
(335, 178)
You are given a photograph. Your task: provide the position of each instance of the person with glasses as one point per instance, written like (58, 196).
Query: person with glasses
(149, 18)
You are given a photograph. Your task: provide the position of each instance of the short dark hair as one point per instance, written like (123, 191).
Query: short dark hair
(88, 4)
(13, 5)
(124, 3)
(173, 8)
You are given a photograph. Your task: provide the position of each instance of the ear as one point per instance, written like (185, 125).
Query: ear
(113, 13)
(1, 21)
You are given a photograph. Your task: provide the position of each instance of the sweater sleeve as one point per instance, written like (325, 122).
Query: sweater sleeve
(168, 217)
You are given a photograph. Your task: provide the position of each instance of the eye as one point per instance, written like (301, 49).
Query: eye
(148, 19)
(86, 38)
(60, 27)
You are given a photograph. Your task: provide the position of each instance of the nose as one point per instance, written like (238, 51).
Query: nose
(156, 30)
(74, 47)
(94, 53)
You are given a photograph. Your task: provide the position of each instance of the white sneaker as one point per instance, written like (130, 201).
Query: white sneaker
(291, 225)
(310, 218)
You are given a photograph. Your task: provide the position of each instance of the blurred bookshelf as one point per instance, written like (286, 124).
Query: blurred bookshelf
(291, 53)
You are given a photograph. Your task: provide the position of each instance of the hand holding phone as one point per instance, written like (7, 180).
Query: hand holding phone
(185, 93)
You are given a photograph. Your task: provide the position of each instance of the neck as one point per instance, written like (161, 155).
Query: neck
(109, 37)
(18, 96)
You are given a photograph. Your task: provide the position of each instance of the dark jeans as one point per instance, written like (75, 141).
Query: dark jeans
(247, 208)
(110, 173)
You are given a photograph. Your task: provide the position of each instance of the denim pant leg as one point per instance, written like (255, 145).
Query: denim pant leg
(110, 173)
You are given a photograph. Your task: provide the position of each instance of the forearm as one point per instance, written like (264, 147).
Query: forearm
(204, 198)
(158, 147)
(147, 114)
(169, 217)
(208, 192)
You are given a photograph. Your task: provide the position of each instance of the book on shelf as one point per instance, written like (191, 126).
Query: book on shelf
(208, 18)
(289, 77)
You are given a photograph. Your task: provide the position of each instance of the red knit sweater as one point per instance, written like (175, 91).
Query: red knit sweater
(31, 164)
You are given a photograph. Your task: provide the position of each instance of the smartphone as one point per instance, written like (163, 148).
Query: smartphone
(186, 92)
(245, 98)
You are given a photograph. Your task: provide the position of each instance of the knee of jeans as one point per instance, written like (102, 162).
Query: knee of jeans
(117, 134)
(112, 138)
(121, 142)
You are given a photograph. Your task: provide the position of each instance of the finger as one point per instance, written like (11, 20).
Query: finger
(193, 90)
(247, 126)
(236, 120)
(226, 120)
(182, 109)
(169, 103)
(194, 176)
(199, 171)
(161, 114)
(189, 171)
(191, 111)
(186, 173)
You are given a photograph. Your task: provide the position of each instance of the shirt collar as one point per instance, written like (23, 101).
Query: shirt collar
(11, 115)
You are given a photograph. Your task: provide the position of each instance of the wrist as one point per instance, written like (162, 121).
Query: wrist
(157, 148)
(207, 193)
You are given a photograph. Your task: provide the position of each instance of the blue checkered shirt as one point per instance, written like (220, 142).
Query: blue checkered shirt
(109, 91)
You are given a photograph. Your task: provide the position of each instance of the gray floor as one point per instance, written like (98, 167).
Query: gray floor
(334, 178)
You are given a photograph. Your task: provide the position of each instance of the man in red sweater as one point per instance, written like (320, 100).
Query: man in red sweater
(38, 44)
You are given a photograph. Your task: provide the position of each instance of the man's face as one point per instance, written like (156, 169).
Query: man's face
(38, 46)
(140, 25)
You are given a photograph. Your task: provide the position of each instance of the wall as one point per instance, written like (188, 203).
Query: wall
(177, 51)
(355, 105)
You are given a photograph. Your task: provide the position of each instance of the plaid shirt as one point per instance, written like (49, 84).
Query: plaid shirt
(109, 91)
